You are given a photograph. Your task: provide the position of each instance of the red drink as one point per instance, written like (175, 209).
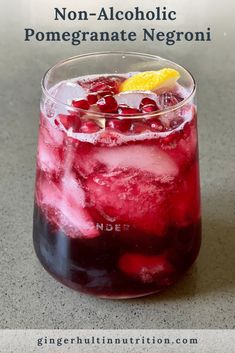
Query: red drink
(117, 205)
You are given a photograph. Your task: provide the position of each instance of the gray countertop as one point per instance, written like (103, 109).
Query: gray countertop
(30, 298)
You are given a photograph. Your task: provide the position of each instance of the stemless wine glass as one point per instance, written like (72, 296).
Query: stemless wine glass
(117, 196)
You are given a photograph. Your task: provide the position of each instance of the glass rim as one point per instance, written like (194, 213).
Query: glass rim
(112, 115)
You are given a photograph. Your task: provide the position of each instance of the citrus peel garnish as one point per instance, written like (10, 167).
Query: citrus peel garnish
(150, 80)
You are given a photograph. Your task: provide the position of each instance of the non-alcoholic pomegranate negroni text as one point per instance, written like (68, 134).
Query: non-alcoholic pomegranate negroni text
(117, 201)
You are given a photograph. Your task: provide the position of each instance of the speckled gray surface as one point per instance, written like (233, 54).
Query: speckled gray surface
(30, 298)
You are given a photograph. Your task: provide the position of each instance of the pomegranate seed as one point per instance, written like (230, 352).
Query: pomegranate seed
(105, 83)
(109, 81)
(123, 105)
(92, 98)
(95, 96)
(81, 104)
(138, 128)
(107, 104)
(169, 99)
(119, 124)
(102, 83)
(176, 122)
(148, 101)
(57, 122)
(125, 110)
(69, 121)
(99, 87)
(156, 125)
(105, 93)
(89, 127)
(149, 108)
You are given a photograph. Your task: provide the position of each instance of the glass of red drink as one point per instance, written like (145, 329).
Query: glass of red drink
(117, 195)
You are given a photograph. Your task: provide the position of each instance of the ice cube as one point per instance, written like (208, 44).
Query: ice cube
(78, 221)
(84, 161)
(66, 91)
(49, 158)
(133, 99)
(72, 191)
(47, 193)
(50, 133)
(185, 150)
(131, 198)
(145, 268)
(149, 159)
(72, 206)
(50, 146)
(67, 201)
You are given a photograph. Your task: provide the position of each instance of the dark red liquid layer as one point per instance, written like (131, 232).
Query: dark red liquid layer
(92, 266)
